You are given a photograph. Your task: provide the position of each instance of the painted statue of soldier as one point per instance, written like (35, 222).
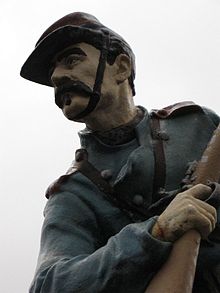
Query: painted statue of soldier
(111, 220)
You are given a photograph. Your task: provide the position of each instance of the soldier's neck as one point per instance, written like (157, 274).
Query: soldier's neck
(113, 117)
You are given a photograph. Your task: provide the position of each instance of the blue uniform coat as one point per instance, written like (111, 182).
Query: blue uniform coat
(90, 243)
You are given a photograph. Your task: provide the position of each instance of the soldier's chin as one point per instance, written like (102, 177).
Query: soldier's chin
(77, 105)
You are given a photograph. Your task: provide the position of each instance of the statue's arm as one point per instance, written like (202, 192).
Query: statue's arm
(73, 257)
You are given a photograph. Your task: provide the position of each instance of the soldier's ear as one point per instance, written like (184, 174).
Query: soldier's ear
(123, 71)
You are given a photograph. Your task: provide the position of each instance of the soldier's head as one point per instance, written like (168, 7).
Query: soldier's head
(87, 63)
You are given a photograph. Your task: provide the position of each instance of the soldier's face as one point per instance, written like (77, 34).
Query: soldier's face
(74, 75)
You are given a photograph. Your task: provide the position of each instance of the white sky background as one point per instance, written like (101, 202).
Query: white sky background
(177, 45)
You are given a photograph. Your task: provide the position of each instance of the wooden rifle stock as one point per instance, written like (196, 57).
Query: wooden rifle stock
(178, 272)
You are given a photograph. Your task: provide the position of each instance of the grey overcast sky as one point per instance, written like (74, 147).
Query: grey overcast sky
(177, 46)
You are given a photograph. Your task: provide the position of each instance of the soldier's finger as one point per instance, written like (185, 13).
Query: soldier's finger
(200, 191)
(203, 225)
(210, 209)
(210, 213)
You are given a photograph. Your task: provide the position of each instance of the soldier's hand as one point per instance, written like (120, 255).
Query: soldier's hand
(186, 211)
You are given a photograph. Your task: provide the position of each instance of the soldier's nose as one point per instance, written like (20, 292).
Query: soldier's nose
(56, 74)
(58, 80)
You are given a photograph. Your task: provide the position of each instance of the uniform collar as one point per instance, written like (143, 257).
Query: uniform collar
(86, 131)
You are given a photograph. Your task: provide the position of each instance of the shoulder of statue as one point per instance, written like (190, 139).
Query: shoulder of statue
(177, 109)
(82, 165)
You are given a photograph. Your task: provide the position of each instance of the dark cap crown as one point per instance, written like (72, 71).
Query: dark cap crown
(72, 19)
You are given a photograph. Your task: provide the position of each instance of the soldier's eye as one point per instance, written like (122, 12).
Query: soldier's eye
(72, 59)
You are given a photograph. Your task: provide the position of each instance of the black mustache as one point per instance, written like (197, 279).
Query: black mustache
(76, 87)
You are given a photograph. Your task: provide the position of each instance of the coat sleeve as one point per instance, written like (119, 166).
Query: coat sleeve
(75, 258)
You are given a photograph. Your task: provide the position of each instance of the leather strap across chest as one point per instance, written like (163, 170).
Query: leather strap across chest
(159, 157)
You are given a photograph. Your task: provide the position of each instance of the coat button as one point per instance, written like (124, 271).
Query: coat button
(81, 155)
(138, 200)
(162, 135)
(106, 174)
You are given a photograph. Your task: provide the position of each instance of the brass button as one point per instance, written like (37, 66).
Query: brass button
(162, 135)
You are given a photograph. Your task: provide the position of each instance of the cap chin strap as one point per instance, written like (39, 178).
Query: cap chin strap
(96, 93)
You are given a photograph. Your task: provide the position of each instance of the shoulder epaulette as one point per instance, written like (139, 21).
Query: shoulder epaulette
(176, 109)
